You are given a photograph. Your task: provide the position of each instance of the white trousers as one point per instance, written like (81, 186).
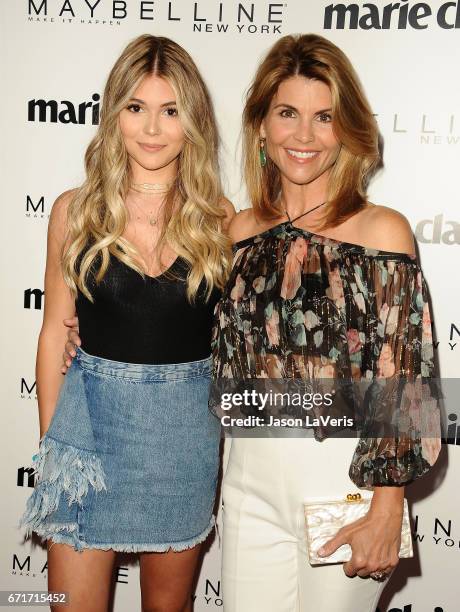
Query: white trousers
(265, 563)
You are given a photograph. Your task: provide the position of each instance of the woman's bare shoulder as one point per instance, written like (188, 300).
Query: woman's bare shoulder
(58, 216)
(244, 224)
(62, 202)
(388, 229)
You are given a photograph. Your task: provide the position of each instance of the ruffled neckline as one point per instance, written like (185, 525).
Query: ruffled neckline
(287, 229)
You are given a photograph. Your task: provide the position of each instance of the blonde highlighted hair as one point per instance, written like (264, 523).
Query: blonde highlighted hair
(97, 215)
(313, 57)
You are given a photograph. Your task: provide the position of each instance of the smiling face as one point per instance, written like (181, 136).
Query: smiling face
(152, 131)
(298, 131)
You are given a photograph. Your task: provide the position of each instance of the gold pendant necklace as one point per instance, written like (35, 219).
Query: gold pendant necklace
(152, 219)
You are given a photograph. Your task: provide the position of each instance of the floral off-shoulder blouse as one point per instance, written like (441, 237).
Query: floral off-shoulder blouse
(300, 304)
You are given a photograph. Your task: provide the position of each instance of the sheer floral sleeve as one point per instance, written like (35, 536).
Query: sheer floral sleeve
(403, 393)
(300, 306)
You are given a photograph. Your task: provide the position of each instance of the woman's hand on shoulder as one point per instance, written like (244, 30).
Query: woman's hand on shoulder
(389, 230)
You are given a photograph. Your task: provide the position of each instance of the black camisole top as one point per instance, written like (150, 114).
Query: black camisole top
(149, 320)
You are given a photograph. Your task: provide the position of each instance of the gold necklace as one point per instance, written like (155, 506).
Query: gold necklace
(153, 220)
(151, 187)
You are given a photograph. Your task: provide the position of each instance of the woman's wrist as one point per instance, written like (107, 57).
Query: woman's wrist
(387, 501)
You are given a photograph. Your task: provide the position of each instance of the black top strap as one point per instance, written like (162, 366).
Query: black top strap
(303, 214)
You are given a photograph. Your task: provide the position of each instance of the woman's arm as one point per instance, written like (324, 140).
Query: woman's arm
(242, 225)
(375, 539)
(59, 304)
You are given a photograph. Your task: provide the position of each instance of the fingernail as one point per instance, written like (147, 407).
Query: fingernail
(321, 551)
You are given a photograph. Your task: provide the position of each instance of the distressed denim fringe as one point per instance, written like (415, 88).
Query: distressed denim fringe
(61, 468)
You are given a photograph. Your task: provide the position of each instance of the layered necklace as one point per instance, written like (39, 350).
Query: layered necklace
(150, 189)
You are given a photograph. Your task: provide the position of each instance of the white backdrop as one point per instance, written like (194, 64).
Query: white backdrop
(62, 51)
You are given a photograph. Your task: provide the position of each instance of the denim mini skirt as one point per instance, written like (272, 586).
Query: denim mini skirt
(130, 459)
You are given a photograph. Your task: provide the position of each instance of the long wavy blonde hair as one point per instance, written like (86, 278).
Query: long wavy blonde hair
(354, 125)
(97, 215)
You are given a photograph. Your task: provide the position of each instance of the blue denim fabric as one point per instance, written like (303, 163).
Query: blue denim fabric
(130, 459)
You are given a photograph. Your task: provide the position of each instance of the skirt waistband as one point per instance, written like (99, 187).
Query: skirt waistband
(144, 371)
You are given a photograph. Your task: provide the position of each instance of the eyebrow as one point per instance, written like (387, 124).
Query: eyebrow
(143, 102)
(324, 110)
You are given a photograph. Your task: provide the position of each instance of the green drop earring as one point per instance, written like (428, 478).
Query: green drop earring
(263, 157)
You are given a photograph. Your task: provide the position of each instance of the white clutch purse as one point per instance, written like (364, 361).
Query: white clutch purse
(324, 519)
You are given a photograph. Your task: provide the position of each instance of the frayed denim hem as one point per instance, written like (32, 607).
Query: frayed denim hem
(60, 533)
(61, 468)
(56, 533)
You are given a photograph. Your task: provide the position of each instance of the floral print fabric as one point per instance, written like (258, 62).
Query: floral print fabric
(301, 305)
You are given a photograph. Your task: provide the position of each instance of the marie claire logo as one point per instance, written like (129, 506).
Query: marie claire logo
(64, 111)
(437, 231)
(33, 298)
(394, 15)
(241, 17)
(410, 608)
(452, 430)
(25, 477)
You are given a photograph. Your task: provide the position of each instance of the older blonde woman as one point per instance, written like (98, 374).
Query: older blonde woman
(325, 285)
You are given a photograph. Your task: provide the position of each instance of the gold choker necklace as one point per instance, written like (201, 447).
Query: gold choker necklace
(151, 187)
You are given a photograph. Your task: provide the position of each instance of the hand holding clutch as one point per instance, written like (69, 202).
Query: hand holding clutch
(324, 519)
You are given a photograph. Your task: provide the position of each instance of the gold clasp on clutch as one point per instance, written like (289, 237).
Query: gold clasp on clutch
(353, 497)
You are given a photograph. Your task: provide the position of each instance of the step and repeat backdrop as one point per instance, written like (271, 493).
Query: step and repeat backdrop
(55, 60)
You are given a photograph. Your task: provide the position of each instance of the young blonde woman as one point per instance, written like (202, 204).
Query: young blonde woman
(128, 453)
(325, 285)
